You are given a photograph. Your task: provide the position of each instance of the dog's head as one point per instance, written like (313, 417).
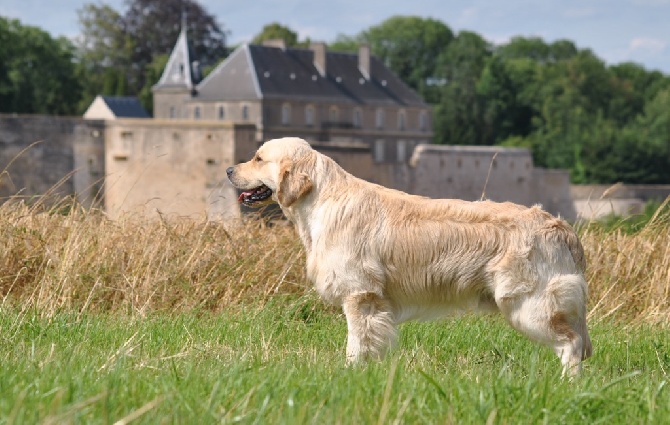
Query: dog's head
(276, 173)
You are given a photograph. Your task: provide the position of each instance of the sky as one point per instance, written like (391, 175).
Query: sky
(615, 30)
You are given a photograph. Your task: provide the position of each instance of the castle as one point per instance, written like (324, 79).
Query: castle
(348, 106)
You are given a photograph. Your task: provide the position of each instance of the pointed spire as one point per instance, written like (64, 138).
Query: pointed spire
(177, 72)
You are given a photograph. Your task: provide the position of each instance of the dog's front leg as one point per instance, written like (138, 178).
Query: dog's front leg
(370, 324)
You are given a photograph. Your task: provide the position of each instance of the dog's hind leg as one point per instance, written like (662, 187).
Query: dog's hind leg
(553, 316)
(566, 296)
(370, 324)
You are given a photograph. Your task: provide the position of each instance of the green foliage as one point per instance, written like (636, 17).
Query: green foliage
(459, 117)
(152, 75)
(411, 47)
(118, 52)
(104, 52)
(276, 30)
(346, 43)
(37, 72)
(603, 124)
(634, 223)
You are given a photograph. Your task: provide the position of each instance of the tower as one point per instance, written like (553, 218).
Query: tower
(177, 83)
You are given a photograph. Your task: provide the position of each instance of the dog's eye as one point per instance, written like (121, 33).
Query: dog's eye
(258, 158)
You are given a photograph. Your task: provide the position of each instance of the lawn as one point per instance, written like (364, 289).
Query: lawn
(283, 362)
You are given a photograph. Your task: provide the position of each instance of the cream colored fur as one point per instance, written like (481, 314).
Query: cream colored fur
(386, 256)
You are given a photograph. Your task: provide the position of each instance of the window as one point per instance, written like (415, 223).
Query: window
(401, 120)
(286, 114)
(309, 115)
(379, 119)
(245, 112)
(173, 113)
(357, 117)
(423, 121)
(196, 113)
(379, 150)
(222, 112)
(334, 114)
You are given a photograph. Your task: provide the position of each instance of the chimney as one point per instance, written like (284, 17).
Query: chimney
(364, 60)
(319, 50)
(275, 42)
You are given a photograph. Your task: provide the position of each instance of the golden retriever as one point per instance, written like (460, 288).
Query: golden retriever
(386, 256)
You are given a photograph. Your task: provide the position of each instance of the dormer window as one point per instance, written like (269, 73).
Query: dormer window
(222, 112)
(245, 113)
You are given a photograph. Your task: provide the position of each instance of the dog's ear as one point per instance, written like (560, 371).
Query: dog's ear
(293, 184)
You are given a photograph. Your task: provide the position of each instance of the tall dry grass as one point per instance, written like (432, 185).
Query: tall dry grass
(629, 271)
(65, 257)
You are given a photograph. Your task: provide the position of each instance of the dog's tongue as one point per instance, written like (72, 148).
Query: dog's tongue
(243, 195)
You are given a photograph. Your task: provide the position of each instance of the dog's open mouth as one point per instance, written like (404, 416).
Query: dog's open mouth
(255, 196)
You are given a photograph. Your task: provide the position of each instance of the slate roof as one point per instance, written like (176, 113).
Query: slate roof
(258, 71)
(125, 107)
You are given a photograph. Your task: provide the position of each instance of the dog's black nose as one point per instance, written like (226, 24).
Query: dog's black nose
(229, 171)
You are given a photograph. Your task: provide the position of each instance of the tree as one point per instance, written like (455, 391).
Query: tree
(278, 31)
(148, 28)
(459, 116)
(152, 73)
(509, 92)
(410, 46)
(6, 53)
(345, 43)
(104, 51)
(521, 47)
(154, 26)
(37, 74)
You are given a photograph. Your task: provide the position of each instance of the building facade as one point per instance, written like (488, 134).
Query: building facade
(321, 96)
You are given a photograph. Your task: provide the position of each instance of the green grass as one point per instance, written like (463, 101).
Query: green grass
(283, 362)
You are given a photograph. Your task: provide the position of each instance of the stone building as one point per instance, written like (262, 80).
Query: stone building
(321, 96)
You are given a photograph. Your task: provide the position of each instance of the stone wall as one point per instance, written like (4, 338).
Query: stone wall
(42, 154)
(464, 172)
(173, 167)
(595, 201)
(177, 167)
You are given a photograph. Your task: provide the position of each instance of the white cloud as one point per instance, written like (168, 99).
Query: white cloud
(647, 45)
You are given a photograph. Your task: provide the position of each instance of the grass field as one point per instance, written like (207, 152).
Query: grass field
(175, 321)
(284, 363)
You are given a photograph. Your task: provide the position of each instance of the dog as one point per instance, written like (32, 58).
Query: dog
(386, 256)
